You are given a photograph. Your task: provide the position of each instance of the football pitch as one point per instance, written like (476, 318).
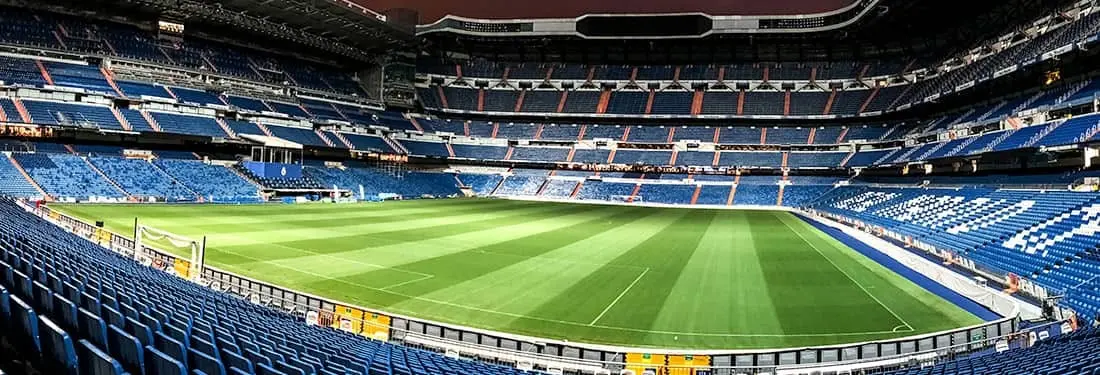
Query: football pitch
(618, 275)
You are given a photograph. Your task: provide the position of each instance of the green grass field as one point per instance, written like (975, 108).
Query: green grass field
(630, 276)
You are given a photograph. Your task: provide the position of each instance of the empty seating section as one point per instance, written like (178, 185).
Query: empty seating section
(426, 148)
(480, 129)
(244, 127)
(751, 159)
(516, 131)
(698, 73)
(541, 101)
(720, 102)
(656, 73)
(628, 102)
(527, 71)
(283, 183)
(66, 176)
(801, 195)
(739, 135)
(13, 183)
(787, 136)
(482, 152)
(667, 194)
(298, 135)
(612, 73)
(139, 89)
(461, 98)
(321, 110)
(142, 179)
(500, 100)
(570, 71)
(212, 183)
(187, 124)
(756, 195)
(808, 103)
(193, 96)
(612, 132)
(763, 103)
(368, 143)
(287, 108)
(547, 154)
(865, 133)
(79, 76)
(847, 102)
(624, 156)
(696, 133)
(648, 134)
(409, 184)
(827, 135)
(70, 114)
(446, 126)
(20, 71)
(672, 102)
(520, 185)
(1074, 130)
(578, 101)
(560, 132)
(868, 157)
(559, 188)
(815, 159)
(133, 117)
(481, 184)
(714, 195)
(604, 191)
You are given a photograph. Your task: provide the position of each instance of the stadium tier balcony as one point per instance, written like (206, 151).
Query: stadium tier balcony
(303, 136)
(368, 143)
(787, 136)
(500, 100)
(585, 101)
(71, 114)
(20, 71)
(740, 135)
(142, 179)
(461, 98)
(613, 132)
(481, 129)
(541, 101)
(543, 154)
(86, 77)
(627, 102)
(139, 89)
(648, 134)
(481, 152)
(560, 132)
(423, 148)
(672, 102)
(67, 176)
(188, 124)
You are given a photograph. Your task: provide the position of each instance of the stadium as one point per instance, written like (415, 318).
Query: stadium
(321, 187)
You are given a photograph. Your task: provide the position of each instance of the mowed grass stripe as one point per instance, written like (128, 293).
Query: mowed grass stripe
(719, 290)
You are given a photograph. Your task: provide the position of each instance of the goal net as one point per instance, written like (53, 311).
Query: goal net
(189, 253)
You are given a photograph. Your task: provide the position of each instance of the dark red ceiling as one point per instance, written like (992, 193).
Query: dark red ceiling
(432, 10)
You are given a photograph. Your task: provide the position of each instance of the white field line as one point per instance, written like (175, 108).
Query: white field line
(841, 269)
(330, 256)
(608, 308)
(388, 287)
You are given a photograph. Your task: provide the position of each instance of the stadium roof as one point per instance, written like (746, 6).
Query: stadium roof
(433, 10)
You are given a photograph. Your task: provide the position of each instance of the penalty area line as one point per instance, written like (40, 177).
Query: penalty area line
(608, 308)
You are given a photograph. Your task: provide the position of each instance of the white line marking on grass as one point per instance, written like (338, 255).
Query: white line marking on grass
(608, 308)
(388, 287)
(899, 328)
(378, 266)
(838, 268)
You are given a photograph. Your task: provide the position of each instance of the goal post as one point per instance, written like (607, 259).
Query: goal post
(190, 254)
